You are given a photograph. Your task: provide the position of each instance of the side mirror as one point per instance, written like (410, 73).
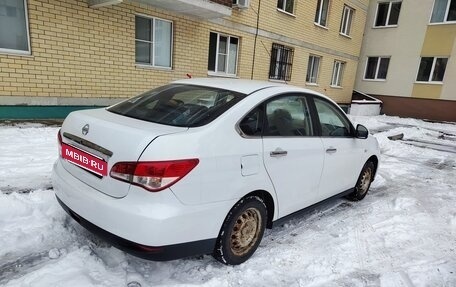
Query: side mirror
(361, 132)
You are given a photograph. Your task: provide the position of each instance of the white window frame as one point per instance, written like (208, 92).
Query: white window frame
(320, 9)
(312, 68)
(282, 9)
(347, 20)
(277, 67)
(390, 4)
(337, 74)
(152, 42)
(227, 61)
(377, 67)
(447, 10)
(21, 52)
(430, 81)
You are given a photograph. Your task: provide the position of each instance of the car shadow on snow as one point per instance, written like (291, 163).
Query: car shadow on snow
(197, 269)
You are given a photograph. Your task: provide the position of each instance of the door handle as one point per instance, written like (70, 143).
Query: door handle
(278, 153)
(331, 150)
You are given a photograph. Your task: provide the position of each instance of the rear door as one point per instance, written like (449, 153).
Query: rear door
(292, 154)
(343, 153)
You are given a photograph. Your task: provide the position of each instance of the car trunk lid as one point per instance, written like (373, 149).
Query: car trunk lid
(106, 138)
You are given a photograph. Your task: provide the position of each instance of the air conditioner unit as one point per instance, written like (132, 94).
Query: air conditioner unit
(241, 4)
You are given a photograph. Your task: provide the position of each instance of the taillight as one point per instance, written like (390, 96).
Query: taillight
(153, 175)
(59, 141)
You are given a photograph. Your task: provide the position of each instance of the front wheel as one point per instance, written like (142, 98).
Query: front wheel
(363, 183)
(242, 231)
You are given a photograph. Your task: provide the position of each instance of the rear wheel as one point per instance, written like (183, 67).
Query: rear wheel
(363, 183)
(242, 231)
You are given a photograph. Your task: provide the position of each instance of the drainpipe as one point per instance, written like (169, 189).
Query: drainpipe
(256, 36)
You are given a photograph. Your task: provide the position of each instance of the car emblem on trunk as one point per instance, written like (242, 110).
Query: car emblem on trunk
(85, 129)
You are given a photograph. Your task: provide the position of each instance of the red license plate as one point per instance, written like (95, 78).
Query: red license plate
(84, 160)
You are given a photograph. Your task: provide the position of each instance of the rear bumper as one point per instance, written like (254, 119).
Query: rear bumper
(157, 253)
(154, 222)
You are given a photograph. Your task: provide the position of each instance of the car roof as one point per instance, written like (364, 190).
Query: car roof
(239, 85)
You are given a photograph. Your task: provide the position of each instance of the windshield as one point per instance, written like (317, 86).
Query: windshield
(179, 105)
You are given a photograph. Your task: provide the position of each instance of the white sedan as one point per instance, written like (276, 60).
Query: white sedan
(203, 166)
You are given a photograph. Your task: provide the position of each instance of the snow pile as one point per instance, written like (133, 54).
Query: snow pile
(27, 152)
(402, 234)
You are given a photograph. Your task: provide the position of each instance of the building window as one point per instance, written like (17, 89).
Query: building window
(387, 14)
(376, 68)
(347, 18)
(153, 41)
(312, 69)
(14, 36)
(223, 53)
(286, 5)
(338, 73)
(432, 69)
(281, 62)
(240, 3)
(444, 11)
(321, 16)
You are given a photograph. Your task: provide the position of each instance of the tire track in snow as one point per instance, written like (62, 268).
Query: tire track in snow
(10, 189)
(16, 268)
(17, 265)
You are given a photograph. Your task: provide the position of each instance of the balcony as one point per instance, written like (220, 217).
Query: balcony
(203, 9)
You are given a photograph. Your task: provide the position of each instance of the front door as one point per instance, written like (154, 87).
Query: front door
(343, 152)
(292, 154)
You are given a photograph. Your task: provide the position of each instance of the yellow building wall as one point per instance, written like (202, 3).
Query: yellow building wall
(449, 87)
(301, 27)
(79, 52)
(438, 41)
(426, 91)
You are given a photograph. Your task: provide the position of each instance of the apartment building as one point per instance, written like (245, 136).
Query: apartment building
(57, 56)
(408, 58)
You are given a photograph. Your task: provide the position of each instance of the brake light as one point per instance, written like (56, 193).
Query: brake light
(59, 141)
(153, 175)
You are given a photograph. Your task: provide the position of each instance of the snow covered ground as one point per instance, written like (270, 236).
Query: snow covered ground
(402, 234)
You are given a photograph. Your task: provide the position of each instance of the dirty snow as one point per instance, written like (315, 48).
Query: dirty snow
(402, 234)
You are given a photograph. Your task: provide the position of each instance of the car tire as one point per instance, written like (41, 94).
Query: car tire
(242, 231)
(363, 183)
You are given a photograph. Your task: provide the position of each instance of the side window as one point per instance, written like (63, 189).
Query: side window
(252, 124)
(333, 123)
(288, 116)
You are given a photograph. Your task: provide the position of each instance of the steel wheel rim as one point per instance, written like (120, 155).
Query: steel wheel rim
(245, 231)
(365, 181)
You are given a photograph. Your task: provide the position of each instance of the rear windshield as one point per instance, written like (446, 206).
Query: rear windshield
(179, 105)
